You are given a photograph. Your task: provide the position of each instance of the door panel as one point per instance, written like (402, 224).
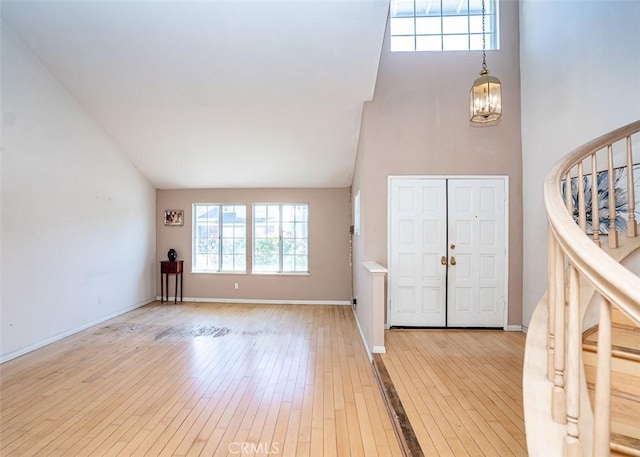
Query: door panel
(476, 283)
(417, 279)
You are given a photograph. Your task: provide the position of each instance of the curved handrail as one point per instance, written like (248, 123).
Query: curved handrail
(611, 279)
(616, 285)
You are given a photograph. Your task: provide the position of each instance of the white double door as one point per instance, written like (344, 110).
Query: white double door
(447, 252)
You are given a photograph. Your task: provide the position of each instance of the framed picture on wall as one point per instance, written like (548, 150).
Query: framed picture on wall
(173, 217)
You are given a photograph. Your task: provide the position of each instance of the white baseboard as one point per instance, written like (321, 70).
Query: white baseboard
(364, 340)
(40, 344)
(379, 350)
(259, 301)
(513, 328)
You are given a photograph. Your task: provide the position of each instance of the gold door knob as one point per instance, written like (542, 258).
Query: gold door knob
(453, 246)
(443, 260)
(453, 260)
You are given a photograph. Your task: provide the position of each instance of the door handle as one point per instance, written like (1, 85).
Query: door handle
(443, 260)
(453, 260)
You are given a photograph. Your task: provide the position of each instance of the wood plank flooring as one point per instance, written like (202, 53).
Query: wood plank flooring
(461, 390)
(200, 379)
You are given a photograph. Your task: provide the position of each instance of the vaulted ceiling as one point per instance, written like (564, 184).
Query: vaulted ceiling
(203, 94)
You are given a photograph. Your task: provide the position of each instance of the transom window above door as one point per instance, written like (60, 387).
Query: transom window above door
(442, 25)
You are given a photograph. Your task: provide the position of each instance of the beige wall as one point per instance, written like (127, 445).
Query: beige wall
(580, 79)
(78, 219)
(417, 124)
(329, 221)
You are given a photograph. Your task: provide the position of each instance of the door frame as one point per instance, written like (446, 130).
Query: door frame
(505, 178)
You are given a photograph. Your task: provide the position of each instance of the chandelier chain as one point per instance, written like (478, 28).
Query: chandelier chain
(484, 53)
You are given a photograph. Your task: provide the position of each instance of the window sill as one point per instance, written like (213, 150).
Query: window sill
(218, 272)
(275, 273)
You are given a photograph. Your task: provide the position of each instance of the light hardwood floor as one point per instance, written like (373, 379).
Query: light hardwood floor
(199, 379)
(461, 390)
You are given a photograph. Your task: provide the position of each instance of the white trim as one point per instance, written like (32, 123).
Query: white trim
(513, 328)
(364, 340)
(53, 339)
(505, 178)
(374, 268)
(258, 301)
(379, 350)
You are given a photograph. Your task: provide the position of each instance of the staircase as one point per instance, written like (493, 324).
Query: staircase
(625, 380)
(581, 381)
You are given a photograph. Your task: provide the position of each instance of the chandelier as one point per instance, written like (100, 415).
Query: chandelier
(485, 97)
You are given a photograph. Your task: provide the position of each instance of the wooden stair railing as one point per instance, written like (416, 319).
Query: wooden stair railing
(576, 198)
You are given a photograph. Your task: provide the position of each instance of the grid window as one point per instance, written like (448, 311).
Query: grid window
(219, 238)
(281, 238)
(442, 25)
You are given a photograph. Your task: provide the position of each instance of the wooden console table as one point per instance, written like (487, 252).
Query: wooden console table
(168, 268)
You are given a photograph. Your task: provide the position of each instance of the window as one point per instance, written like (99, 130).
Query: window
(219, 238)
(442, 25)
(281, 238)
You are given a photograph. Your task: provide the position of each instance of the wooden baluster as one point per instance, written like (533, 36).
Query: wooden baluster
(568, 197)
(602, 409)
(613, 233)
(551, 301)
(595, 201)
(582, 209)
(632, 226)
(559, 397)
(572, 445)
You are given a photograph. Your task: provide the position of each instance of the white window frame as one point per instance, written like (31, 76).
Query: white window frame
(281, 255)
(220, 237)
(474, 36)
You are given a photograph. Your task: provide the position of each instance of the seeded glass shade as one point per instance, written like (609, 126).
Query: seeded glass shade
(485, 99)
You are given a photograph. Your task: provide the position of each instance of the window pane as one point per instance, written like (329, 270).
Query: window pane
(302, 213)
(428, 8)
(429, 43)
(428, 26)
(455, 7)
(402, 43)
(288, 230)
(401, 8)
(227, 262)
(301, 230)
(302, 263)
(288, 246)
(476, 42)
(455, 42)
(302, 247)
(402, 26)
(288, 213)
(475, 6)
(240, 263)
(266, 255)
(455, 24)
(288, 263)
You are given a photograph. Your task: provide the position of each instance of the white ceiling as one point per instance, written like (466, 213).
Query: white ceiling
(203, 94)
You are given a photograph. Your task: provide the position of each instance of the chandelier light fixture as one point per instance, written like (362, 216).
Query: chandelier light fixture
(485, 97)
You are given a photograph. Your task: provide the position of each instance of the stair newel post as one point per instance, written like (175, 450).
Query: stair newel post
(582, 205)
(559, 395)
(613, 233)
(551, 301)
(602, 409)
(632, 226)
(572, 445)
(595, 201)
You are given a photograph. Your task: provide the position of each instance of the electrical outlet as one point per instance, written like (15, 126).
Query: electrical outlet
(236, 286)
